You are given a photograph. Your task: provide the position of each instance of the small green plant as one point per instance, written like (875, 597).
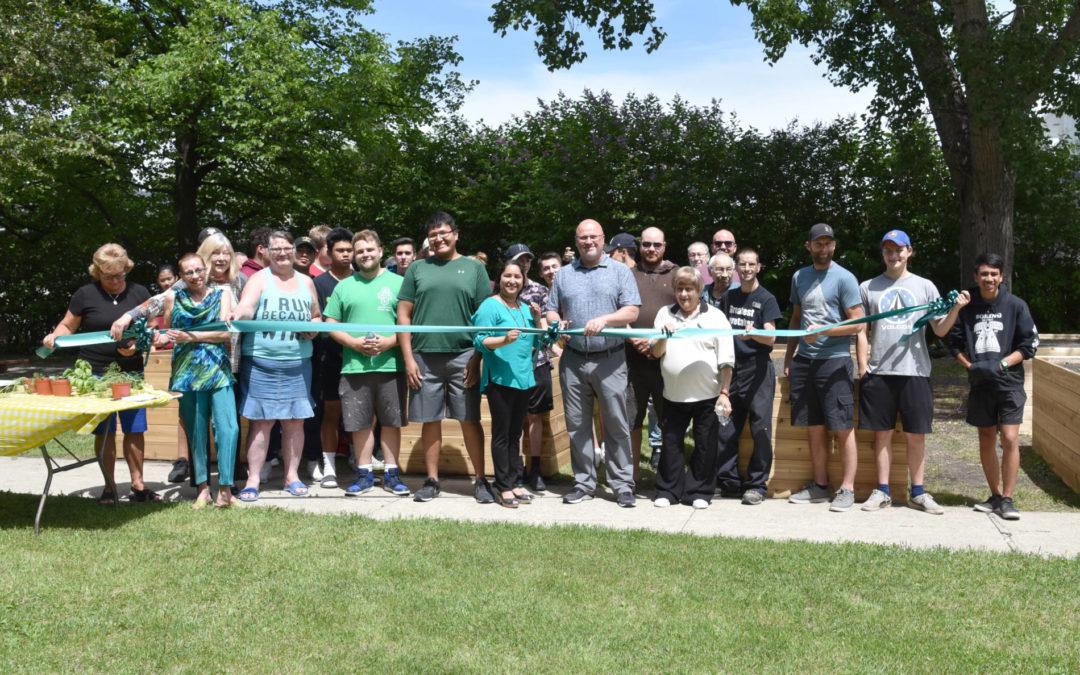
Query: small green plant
(82, 377)
(115, 374)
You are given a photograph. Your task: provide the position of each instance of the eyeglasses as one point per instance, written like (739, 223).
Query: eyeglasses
(725, 244)
(652, 244)
(113, 277)
(441, 234)
(194, 273)
(283, 249)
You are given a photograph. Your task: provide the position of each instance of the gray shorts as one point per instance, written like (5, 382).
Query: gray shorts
(442, 390)
(365, 396)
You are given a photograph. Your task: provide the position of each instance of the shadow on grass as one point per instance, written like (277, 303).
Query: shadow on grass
(17, 512)
(1040, 473)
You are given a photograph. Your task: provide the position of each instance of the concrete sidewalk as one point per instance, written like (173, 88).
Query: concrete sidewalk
(961, 528)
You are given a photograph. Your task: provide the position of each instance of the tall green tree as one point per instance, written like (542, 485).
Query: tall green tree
(982, 70)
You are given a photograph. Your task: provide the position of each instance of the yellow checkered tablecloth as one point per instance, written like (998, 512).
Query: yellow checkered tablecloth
(28, 420)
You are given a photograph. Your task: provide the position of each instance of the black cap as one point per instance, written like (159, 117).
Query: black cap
(517, 250)
(820, 230)
(304, 241)
(207, 232)
(621, 240)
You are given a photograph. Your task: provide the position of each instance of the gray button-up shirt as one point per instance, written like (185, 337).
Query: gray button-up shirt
(581, 293)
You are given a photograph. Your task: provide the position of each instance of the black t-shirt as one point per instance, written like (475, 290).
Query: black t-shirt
(329, 349)
(752, 310)
(98, 310)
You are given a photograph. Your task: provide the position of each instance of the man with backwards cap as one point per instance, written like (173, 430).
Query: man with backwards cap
(820, 374)
(895, 373)
(622, 247)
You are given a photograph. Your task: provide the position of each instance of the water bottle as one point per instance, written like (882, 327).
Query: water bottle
(722, 416)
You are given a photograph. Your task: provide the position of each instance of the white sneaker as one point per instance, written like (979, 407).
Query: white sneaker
(315, 468)
(876, 501)
(700, 504)
(598, 454)
(377, 464)
(925, 502)
(661, 502)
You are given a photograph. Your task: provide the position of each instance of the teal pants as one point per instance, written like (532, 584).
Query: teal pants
(197, 408)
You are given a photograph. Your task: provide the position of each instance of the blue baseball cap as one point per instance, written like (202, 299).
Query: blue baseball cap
(898, 237)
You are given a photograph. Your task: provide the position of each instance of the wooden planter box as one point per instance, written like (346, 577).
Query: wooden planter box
(1055, 432)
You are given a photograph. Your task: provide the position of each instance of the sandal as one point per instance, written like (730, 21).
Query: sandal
(144, 495)
(297, 489)
(107, 498)
(523, 497)
(511, 503)
(249, 494)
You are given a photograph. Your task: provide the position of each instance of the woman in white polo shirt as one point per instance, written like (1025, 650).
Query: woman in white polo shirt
(697, 373)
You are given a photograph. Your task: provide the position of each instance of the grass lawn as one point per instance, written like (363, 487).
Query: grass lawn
(161, 587)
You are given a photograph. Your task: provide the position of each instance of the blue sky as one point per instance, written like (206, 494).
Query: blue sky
(710, 52)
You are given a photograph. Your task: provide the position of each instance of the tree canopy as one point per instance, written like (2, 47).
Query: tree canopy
(982, 70)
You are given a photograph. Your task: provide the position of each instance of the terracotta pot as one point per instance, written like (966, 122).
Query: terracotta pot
(31, 388)
(43, 386)
(120, 389)
(61, 387)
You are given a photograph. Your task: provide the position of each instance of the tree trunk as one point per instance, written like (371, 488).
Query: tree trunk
(186, 191)
(986, 191)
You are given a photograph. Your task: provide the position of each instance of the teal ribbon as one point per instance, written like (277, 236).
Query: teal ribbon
(144, 335)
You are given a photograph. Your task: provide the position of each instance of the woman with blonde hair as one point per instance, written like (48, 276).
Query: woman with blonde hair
(94, 307)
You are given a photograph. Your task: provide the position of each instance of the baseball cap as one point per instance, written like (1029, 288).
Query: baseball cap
(304, 241)
(820, 230)
(518, 250)
(621, 240)
(207, 232)
(898, 237)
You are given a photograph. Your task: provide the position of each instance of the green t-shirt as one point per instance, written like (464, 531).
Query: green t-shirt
(370, 301)
(444, 293)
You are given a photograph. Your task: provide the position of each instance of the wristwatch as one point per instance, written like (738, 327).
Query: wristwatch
(1004, 365)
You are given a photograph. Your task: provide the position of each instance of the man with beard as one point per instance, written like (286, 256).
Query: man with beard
(821, 377)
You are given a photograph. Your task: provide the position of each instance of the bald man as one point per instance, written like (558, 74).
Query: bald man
(595, 292)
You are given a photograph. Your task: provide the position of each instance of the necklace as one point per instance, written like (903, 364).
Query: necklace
(114, 297)
(521, 313)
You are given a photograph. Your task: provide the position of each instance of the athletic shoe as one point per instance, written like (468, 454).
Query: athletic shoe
(392, 483)
(315, 469)
(626, 499)
(430, 490)
(328, 481)
(598, 456)
(990, 505)
(179, 470)
(377, 464)
(654, 460)
(661, 502)
(752, 498)
(843, 500)
(536, 481)
(925, 502)
(364, 482)
(576, 496)
(876, 501)
(1007, 510)
(810, 494)
(700, 503)
(482, 492)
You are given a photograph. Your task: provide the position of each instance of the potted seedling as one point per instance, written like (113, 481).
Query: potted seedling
(119, 382)
(82, 378)
(61, 386)
(42, 384)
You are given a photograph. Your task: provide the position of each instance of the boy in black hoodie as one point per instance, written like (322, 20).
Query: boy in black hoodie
(993, 335)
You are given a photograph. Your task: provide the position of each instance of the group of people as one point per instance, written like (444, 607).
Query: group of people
(716, 379)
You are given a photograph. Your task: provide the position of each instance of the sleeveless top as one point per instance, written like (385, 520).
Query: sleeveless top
(198, 366)
(276, 305)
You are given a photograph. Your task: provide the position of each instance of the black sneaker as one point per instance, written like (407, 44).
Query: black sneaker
(576, 496)
(429, 491)
(179, 470)
(626, 499)
(654, 460)
(482, 492)
(1006, 509)
(536, 482)
(990, 505)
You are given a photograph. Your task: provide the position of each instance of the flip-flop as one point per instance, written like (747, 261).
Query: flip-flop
(297, 489)
(249, 494)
